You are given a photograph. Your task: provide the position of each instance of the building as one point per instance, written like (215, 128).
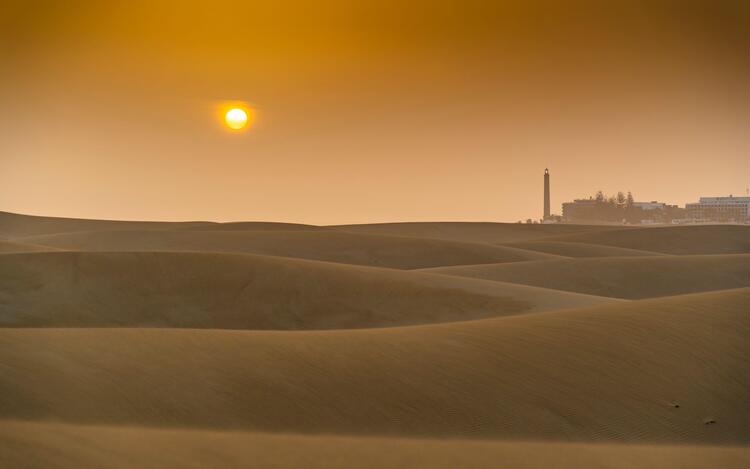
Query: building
(580, 209)
(546, 195)
(719, 209)
(653, 205)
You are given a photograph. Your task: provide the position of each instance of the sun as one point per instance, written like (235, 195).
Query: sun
(236, 118)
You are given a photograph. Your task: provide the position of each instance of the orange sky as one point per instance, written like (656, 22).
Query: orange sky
(367, 113)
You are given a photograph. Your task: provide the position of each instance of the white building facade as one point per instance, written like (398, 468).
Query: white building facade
(721, 209)
(653, 205)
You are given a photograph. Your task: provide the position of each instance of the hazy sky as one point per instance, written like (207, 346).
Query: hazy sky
(368, 113)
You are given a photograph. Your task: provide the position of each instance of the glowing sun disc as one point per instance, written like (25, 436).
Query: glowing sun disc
(236, 118)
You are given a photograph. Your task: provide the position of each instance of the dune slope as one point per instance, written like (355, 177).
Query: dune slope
(615, 372)
(332, 246)
(621, 277)
(230, 291)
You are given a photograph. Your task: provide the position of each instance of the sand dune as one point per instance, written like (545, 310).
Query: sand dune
(701, 239)
(60, 446)
(621, 277)
(568, 249)
(349, 248)
(494, 233)
(138, 344)
(615, 372)
(211, 290)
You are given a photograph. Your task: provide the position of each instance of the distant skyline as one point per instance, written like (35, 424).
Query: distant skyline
(373, 112)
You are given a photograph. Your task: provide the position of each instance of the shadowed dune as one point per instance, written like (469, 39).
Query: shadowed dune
(701, 239)
(614, 372)
(348, 248)
(212, 290)
(59, 446)
(568, 249)
(621, 277)
(493, 233)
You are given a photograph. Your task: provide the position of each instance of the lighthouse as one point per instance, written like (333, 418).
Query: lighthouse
(546, 194)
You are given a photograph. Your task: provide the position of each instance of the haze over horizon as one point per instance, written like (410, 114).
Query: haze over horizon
(373, 112)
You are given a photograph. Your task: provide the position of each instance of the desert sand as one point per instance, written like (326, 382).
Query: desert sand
(255, 344)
